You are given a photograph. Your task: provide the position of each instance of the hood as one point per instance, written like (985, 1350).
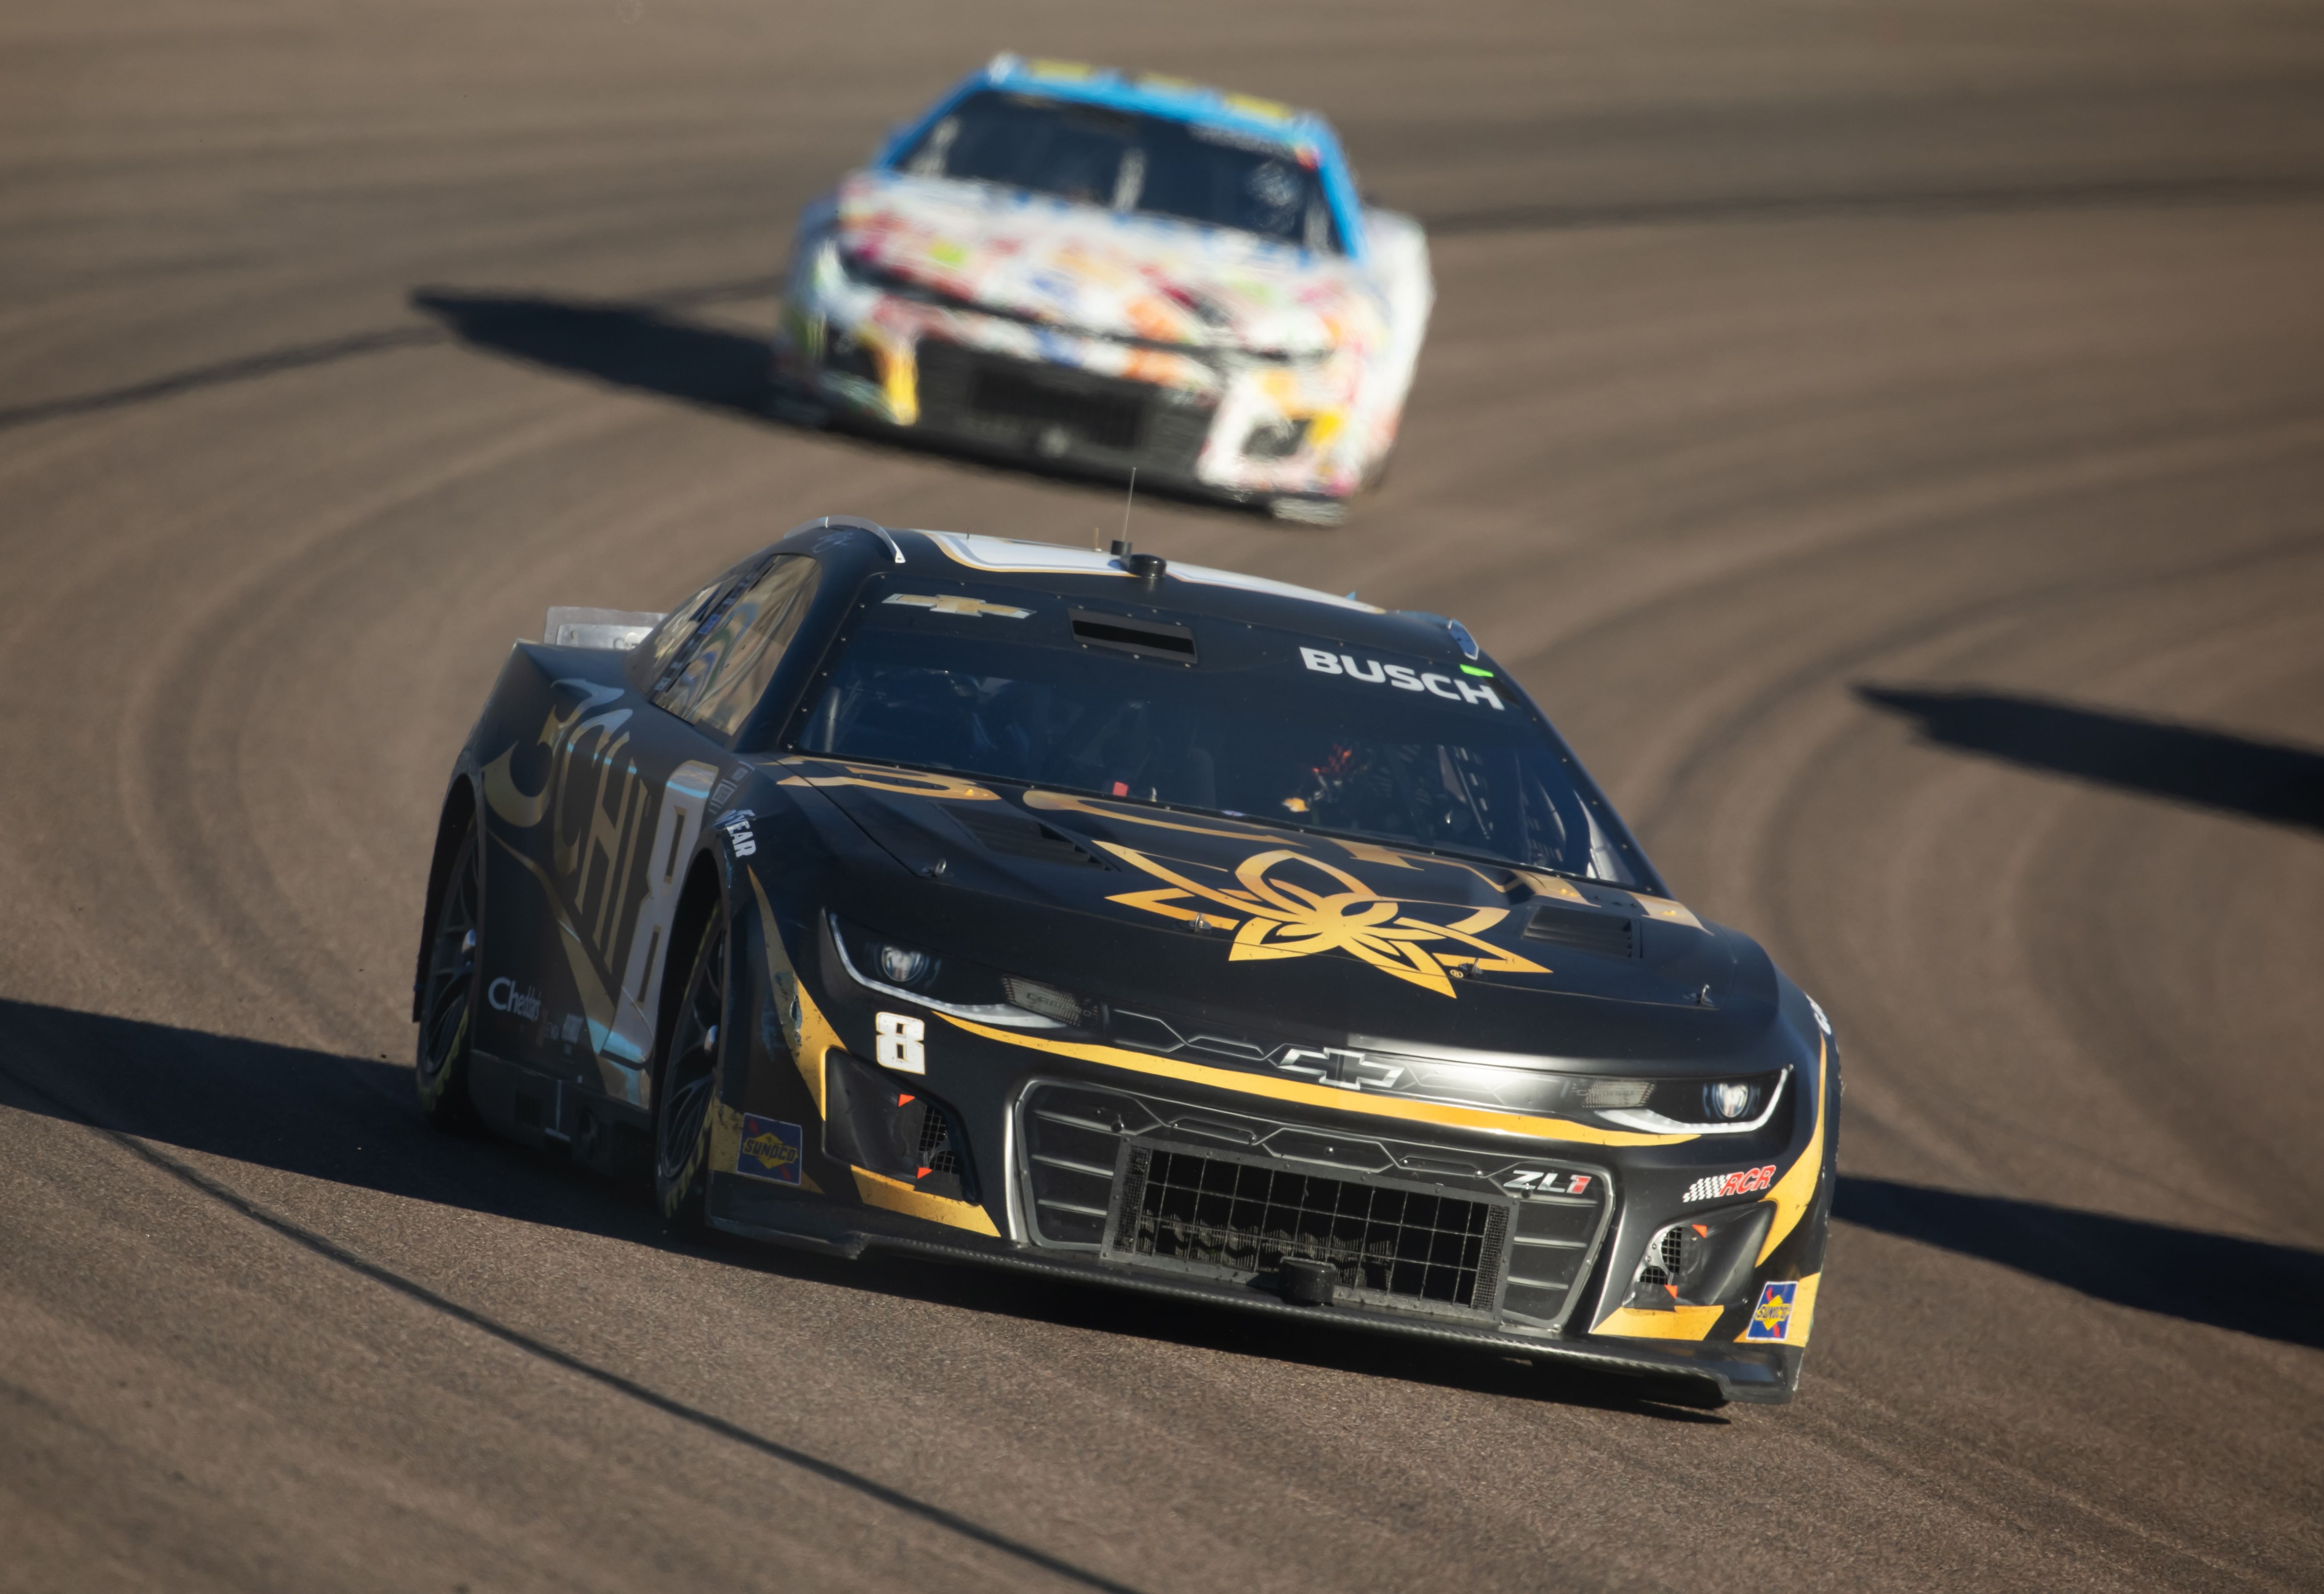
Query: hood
(1280, 932)
(1031, 257)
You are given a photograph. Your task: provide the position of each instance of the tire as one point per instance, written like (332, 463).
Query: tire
(687, 1081)
(447, 1006)
(794, 405)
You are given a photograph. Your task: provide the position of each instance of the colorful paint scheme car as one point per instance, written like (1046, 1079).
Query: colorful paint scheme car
(1140, 924)
(1104, 273)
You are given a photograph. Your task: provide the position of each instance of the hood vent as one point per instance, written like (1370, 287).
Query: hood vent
(1151, 639)
(1014, 836)
(1611, 935)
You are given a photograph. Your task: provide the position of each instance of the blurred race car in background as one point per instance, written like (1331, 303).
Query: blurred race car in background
(1100, 272)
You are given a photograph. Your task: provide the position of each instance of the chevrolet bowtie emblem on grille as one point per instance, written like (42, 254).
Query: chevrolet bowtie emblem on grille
(1280, 912)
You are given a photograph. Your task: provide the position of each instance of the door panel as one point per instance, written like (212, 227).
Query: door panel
(596, 853)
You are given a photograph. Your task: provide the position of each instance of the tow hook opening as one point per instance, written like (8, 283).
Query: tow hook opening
(1307, 1281)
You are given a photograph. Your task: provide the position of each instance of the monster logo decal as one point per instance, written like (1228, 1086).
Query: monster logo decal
(1284, 904)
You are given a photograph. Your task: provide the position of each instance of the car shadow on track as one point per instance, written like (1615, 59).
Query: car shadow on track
(351, 1120)
(2204, 768)
(649, 347)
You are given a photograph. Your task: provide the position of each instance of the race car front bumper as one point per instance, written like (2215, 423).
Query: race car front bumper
(1695, 1373)
(1221, 423)
(1207, 1195)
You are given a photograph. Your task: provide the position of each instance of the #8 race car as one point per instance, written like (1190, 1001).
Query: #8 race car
(1141, 924)
(1104, 273)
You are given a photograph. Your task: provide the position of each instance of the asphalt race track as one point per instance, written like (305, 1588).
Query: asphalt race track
(1888, 435)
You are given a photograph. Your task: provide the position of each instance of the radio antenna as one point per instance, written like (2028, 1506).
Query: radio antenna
(1131, 499)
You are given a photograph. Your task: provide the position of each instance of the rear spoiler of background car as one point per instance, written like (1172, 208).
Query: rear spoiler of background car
(617, 630)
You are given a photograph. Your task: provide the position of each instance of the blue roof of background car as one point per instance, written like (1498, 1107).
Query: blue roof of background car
(1171, 97)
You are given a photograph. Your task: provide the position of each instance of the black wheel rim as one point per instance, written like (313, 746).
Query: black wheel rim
(693, 1072)
(451, 969)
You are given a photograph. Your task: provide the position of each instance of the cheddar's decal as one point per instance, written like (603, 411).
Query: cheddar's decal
(1286, 904)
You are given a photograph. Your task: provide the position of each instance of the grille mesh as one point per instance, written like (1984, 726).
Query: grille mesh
(1108, 420)
(1185, 1207)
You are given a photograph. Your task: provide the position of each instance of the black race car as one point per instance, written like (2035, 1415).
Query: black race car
(1132, 923)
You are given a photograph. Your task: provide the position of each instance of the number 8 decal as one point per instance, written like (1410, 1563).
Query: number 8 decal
(899, 1046)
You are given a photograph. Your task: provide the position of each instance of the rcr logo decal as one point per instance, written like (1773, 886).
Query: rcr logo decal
(1746, 1181)
(505, 997)
(1324, 661)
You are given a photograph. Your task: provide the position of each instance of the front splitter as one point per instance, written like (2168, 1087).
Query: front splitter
(1722, 1373)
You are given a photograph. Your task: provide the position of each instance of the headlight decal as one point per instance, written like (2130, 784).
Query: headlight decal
(808, 1033)
(1797, 1188)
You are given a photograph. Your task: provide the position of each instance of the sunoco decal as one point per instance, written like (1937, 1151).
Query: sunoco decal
(1772, 1318)
(770, 1149)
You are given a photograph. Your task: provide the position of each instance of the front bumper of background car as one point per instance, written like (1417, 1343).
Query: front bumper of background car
(1221, 423)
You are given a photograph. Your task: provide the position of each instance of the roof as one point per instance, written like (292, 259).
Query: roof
(1305, 133)
(1156, 96)
(1009, 555)
(1187, 588)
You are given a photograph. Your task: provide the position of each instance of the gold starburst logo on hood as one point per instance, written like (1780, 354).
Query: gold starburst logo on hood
(1286, 904)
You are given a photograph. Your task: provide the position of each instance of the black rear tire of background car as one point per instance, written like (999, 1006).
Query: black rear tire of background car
(447, 1006)
(687, 1085)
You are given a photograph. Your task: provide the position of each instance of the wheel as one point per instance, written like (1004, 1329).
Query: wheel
(794, 404)
(449, 999)
(689, 1081)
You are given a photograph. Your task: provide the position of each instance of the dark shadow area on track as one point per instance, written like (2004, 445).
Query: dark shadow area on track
(642, 346)
(353, 1121)
(2247, 1285)
(300, 356)
(2206, 768)
(1699, 211)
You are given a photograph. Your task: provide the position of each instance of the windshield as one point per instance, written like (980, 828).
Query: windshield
(1275, 726)
(1129, 162)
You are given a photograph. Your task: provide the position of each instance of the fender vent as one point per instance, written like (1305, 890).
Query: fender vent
(1612, 935)
(1013, 837)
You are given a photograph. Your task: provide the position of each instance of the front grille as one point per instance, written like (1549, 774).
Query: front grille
(939, 1153)
(1246, 1217)
(1109, 420)
(1316, 1189)
(1060, 412)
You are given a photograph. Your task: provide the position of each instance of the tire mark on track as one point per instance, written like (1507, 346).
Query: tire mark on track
(2128, 194)
(332, 1251)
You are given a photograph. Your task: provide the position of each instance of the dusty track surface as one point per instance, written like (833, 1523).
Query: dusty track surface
(1889, 437)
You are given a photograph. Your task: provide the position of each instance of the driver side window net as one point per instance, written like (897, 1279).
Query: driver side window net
(730, 667)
